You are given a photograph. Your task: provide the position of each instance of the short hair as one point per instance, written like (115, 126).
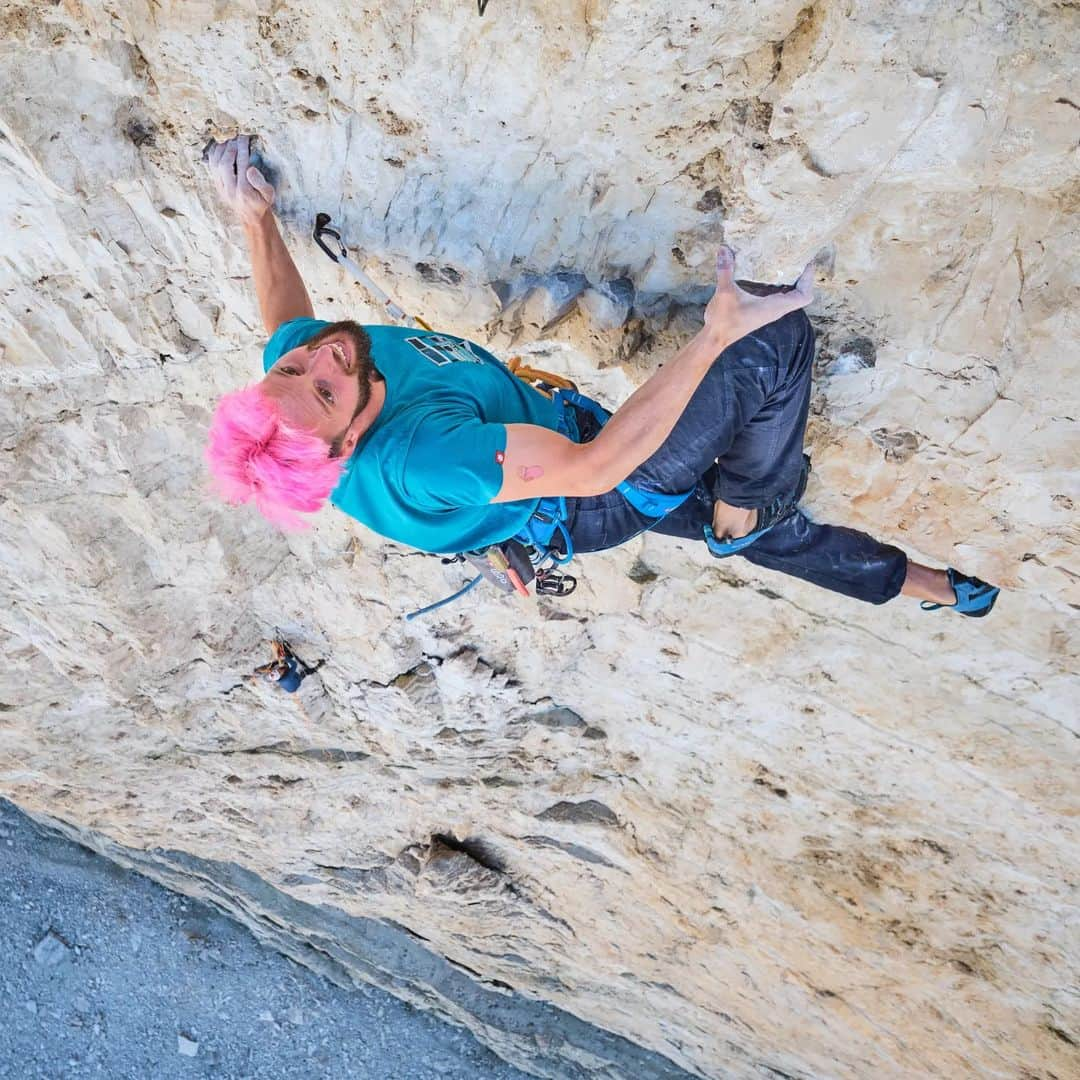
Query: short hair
(255, 454)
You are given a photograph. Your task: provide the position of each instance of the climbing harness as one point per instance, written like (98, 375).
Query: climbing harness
(544, 545)
(320, 232)
(549, 518)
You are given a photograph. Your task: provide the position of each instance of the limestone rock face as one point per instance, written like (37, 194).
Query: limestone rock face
(725, 823)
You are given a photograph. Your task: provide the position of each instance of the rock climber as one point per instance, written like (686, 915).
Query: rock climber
(286, 671)
(429, 440)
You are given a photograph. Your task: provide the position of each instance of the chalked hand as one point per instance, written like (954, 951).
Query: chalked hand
(243, 188)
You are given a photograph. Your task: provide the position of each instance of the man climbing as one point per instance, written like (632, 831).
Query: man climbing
(286, 671)
(429, 440)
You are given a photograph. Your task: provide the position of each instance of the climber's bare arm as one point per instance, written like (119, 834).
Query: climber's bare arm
(538, 462)
(278, 285)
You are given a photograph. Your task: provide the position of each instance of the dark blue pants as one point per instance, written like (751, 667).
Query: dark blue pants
(741, 440)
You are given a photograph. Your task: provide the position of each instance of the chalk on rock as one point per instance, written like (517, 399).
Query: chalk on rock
(51, 950)
(608, 304)
(854, 355)
(185, 1046)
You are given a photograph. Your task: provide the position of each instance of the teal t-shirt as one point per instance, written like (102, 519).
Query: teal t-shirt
(425, 472)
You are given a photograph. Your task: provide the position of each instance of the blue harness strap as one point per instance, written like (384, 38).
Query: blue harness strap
(548, 519)
(654, 504)
(769, 516)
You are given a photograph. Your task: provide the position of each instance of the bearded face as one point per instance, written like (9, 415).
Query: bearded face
(324, 384)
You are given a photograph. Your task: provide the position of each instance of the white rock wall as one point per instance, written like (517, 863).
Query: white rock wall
(740, 822)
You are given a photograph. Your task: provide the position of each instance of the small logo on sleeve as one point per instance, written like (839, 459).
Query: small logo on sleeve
(500, 457)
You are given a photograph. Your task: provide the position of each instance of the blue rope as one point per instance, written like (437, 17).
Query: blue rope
(446, 600)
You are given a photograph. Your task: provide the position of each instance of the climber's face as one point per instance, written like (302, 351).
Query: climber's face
(323, 385)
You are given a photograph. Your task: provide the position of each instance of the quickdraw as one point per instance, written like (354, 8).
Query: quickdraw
(321, 231)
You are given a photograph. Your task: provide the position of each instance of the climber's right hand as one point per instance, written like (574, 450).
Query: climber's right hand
(244, 189)
(734, 312)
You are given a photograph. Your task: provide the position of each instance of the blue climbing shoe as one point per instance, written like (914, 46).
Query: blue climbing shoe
(768, 517)
(721, 549)
(974, 597)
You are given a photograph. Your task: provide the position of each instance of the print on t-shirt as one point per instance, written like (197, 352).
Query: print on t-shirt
(443, 350)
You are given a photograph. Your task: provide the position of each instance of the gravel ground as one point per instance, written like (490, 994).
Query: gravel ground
(105, 973)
